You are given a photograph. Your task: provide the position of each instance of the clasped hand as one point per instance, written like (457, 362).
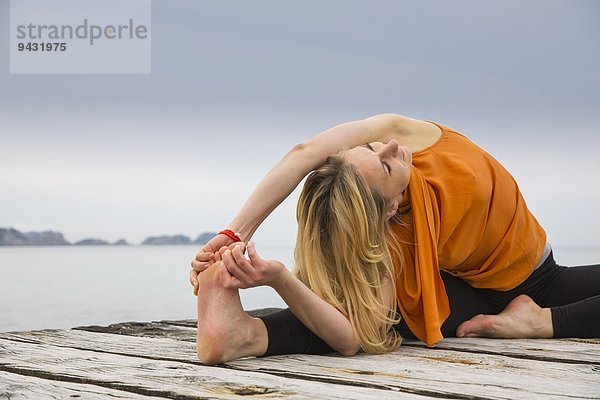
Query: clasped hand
(237, 271)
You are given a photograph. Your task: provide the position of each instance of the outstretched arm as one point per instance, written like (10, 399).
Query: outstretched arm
(316, 314)
(277, 185)
(285, 176)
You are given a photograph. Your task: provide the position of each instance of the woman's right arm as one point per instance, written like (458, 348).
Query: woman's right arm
(277, 185)
(285, 176)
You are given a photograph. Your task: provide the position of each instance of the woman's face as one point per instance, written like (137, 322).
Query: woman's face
(385, 166)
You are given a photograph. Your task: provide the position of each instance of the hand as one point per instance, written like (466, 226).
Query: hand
(216, 257)
(210, 253)
(240, 273)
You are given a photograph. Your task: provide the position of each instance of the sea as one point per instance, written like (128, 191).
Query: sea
(69, 286)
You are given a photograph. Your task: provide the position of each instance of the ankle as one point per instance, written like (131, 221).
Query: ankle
(545, 328)
(251, 340)
(259, 338)
(217, 347)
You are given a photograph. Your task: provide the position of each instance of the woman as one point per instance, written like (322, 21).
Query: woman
(435, 228)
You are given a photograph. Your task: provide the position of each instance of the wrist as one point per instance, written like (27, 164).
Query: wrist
(243, 230)
(281, 280)
(232, 235)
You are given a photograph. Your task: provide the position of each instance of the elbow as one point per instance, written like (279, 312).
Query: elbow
(307, 156)
(301, 149)
(350, 350)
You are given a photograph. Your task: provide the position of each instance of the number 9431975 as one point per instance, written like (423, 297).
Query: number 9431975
(43, 46)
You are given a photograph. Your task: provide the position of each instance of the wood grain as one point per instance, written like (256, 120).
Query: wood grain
(168, 379)
(21, 387)
(413, 369)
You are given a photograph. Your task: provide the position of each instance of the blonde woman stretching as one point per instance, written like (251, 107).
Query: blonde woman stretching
(405, 228)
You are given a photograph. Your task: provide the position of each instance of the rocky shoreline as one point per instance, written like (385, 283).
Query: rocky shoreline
(14, 237)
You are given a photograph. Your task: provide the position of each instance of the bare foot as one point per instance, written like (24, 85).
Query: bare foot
(521, 319)
(225, 331)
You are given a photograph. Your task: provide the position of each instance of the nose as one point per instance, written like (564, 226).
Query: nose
(389, 150)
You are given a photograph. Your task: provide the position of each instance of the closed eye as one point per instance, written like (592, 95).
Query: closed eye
(385, 165)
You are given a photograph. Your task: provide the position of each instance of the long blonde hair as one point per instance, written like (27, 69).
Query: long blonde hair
(343, 250)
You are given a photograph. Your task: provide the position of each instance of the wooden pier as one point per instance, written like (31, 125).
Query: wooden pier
(158, 360)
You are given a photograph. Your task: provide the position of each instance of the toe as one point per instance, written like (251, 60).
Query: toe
(478, 326)
(464, 329)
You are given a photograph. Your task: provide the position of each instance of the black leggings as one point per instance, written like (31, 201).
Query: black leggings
(572, 293)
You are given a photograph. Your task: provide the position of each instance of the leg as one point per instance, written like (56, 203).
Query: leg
(522, 318)
(225, 331)
(580, 319)
(573, 293)
(288, 335)
(560, 285)
(570, 297)
(465, 303)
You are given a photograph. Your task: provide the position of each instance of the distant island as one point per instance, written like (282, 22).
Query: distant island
(14, 237)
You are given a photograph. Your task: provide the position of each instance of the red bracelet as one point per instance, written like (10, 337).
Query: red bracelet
(231, 234)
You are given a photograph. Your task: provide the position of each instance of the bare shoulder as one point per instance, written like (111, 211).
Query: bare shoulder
(416, 134)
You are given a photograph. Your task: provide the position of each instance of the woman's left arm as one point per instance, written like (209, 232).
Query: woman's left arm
(316, 314)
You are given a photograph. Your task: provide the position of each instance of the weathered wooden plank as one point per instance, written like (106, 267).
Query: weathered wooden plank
(580, 351)
(174, 329)
(19, 387)
(418, 370)
(448, 373)
(577, 351)
(166, 349)
(166, 378)
(156, 329)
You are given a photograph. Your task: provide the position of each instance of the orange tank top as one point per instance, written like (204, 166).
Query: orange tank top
(468, 218)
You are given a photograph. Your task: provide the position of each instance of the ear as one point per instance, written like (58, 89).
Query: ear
(392, 209)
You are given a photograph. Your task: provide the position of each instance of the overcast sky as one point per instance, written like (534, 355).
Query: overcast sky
(235, 84)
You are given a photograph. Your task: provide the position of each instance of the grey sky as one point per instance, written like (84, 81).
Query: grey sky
(234, 84)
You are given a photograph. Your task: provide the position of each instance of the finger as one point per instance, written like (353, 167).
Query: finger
(200, 266)
(229, 281)
(235, 245)
(207, 248)
(219, 254)
(193, 278)
(254, 257)
(240, 260)
(233, 268)
(194, 282)
(204, 256)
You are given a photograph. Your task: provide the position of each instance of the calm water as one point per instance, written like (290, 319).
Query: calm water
(62, 287)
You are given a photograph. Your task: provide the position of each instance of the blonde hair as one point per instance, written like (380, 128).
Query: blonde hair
(343, 250)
